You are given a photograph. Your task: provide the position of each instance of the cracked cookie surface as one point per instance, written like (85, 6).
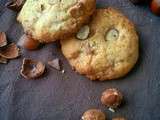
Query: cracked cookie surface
(50, 20)
(111, 49)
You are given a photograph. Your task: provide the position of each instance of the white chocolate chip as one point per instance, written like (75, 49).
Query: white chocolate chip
(83, 33)
(112, 35)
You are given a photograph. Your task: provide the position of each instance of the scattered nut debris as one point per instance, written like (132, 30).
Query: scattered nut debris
(111, 109)
(119, 118)
(93, 114)
(55, 63)
(112, 98)
(112, 34)
(11, 51)
(63, 71)
(3, 60)
(32, 69)
(15, 5)
(3, 39)
(83, 33)
(28, 43)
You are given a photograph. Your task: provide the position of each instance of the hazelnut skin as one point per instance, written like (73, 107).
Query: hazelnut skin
(155, 7)
(112, 98)
(94, 114)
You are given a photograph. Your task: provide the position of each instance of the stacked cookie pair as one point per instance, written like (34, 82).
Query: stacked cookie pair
(101, 44)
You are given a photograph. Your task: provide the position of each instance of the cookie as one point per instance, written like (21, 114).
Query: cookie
(107, 48)
(50, 20)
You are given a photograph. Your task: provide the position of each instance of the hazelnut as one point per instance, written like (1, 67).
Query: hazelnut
(93, 114)
(32, 69)
(3, 39)
(112, 34)
(10, 51)
(155, 7)
(118, 118)
(112, 98)
(28, 43)
(83, 33)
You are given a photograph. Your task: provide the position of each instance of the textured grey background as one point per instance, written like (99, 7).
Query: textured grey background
(58, 96)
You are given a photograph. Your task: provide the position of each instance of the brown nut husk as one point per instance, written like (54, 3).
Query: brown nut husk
(28, 43)
(15, 5)
(11, 51)
(83, 33)
(32, 69)
(93, 114)
(3, 39)
(3, 60)
(55, 63)
(119, 118)
(112, 98)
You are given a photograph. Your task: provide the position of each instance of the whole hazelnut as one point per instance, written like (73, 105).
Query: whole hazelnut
(28, 43)
(112, 98)
(155, 7)
(93, 114)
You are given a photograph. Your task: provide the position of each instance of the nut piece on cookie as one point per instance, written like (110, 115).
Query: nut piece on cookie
(93, 114)
(112, 34)
(83, 32)
(54, 19)
(107, 48)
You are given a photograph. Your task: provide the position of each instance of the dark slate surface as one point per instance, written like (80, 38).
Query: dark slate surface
(58, 96)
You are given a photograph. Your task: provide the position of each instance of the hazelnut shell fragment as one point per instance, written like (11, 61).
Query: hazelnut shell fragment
(94, 114)
(112, 98)
(3, 39)
(55, 63)
(15, 5)
(3, 60)
(32, 69)
(28, 43)
(11, 51)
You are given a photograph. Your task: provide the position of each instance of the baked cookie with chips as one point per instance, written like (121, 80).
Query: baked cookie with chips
(106, 48)
(50, 20)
